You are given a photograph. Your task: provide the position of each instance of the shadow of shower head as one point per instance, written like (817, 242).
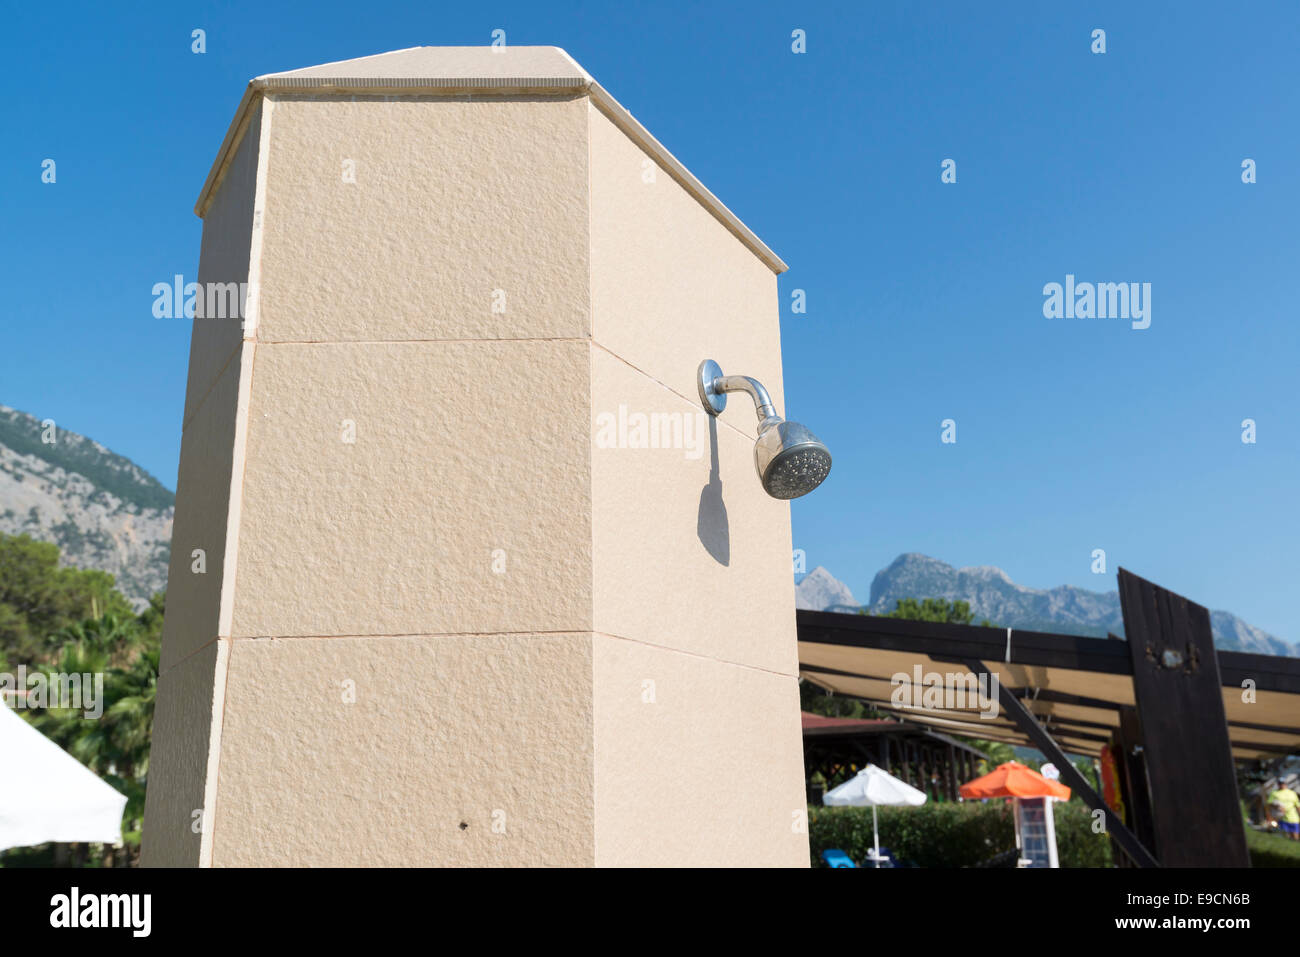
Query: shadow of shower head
(789, 459)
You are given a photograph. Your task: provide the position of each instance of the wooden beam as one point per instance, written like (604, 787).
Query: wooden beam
(940, 640)
(1268, 672)
(1133, 776)
(1185, 742)
(1061, 697)
(950, 773)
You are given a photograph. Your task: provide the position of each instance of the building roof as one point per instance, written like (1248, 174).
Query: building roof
(461, 71)
(491, 67)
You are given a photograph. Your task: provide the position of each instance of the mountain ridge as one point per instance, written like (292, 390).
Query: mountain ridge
(100, 508)
(992, 594)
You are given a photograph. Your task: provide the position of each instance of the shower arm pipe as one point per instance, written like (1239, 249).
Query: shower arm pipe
(754, 389)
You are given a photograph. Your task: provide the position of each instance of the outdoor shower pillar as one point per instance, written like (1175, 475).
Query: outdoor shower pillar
(462, 573)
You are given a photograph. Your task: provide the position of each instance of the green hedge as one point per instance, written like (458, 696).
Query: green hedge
(950, 835)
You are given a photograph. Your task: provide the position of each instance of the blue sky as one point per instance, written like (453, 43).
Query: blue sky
(925, 299)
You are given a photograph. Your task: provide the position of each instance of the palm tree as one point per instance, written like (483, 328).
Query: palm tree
(116, 746)
(130, 722)
(998, 753)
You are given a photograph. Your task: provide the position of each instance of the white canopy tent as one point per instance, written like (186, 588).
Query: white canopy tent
(873, 786)
(47, 795)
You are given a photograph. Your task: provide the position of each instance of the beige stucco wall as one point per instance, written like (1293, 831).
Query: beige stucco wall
(694, 764)
(696, 666)
(488, 731)
(461, 506)
(187, 718)
(453, 199)
(423, 517)
(182, 757)
(225, 256)
(689, 552)
(670, 284)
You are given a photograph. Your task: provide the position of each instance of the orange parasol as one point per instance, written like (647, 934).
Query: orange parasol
(1014, 780)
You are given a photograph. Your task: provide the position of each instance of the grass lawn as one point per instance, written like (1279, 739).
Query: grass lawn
(1272, 850)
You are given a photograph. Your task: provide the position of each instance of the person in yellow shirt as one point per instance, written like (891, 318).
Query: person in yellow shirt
(1287, 802)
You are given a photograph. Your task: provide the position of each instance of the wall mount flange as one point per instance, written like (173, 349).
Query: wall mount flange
(714, 402)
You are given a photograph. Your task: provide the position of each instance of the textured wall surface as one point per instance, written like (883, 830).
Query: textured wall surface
(211, 462)
(453, 199)
(182, 757)
(224, 257)
(694, 599)
(689, 552)
(444, 731)
(696, 769)
(670, 285)
(461, 449)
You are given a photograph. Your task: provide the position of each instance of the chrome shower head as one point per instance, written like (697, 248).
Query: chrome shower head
(789, 459)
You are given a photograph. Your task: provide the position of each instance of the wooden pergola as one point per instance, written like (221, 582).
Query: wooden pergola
(1172, 711)
(837, 748)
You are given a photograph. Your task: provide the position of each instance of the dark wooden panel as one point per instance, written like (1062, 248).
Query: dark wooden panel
(1185, 748)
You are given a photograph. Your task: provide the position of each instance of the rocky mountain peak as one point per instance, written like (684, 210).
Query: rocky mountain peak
(100, 508)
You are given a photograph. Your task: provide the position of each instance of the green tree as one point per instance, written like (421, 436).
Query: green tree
(65, 621)
(38, 599)
(1088, 768)
(933, 609)
(116, 745)
(998, 752)
(815, 700)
